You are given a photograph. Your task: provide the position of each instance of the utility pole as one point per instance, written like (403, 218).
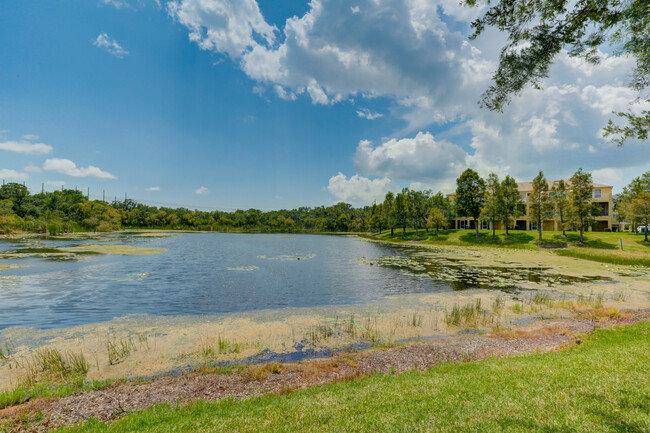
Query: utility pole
(43, 188)
(88, 195)
(124, 197)
(104, 195)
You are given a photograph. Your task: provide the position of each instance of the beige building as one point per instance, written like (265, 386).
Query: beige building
(601, 194)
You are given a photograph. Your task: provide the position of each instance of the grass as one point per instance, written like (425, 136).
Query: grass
(48, 390)
(607, 256)
(602, 247)
(601, 385)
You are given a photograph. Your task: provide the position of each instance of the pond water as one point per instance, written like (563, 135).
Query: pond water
(199, 274)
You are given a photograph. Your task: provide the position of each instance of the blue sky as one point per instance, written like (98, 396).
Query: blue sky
(278, 104)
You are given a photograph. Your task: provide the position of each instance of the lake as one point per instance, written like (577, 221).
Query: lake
(200, 273)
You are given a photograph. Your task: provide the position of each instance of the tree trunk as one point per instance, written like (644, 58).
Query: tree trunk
(416, 231)
(476, 226)
(506, 224)
(646, 230)
(539, 228)
(494, 232)
(391, 232)
(582, 228)
(403, 231)
(436, 230)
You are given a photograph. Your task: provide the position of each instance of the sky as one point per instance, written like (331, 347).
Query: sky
(269, 104)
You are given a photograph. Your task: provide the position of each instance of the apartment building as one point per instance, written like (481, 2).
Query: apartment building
(601, 194)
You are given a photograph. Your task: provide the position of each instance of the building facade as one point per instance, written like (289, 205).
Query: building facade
(601, 194)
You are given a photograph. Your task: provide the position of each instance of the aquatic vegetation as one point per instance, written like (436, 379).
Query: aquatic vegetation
(118, 350)
(319, 333)
(6, 351)
(51, 364)
(126, 250)
(470, 315)
(498, 304)
(290, 257)
(140, 276)
(8, 282)
(415, 320)
(242, 268)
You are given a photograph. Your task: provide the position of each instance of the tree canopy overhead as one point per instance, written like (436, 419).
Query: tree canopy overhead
(539, 30)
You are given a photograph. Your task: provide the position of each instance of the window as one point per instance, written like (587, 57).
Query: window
(485, 225)
(533, 225)
(462, 224)
(597, 193)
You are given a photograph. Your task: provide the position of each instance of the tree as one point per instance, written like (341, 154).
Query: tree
(399, 213)
(560, 203)
(387, 206)
(492, 210)
(417, 208)
(511, 201)
(470, 195)
(640, 206)
(539, 30)
(17, 193)
(436, 219)
(376, 217)
(582, 208)
(540, 205)
(442, 202)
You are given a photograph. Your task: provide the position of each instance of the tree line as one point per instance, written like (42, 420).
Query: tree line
(497, 201)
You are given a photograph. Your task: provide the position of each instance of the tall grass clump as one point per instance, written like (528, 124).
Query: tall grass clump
(53, 365)
(467, 316)
(119, 350)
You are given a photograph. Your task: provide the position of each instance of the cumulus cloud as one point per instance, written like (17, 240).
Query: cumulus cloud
(418, 158)
(110, 45)
(152, 188)
(12, 174)
(359, 189)
(30, 137)
(407, 53)
(25, 147)
(201, 190)
(65, 166)
(367, 114)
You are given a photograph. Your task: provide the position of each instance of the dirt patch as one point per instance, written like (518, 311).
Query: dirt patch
(253, 380)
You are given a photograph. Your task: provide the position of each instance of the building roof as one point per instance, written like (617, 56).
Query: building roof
(528, 186)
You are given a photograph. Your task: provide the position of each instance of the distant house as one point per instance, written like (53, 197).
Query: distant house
(601, 194)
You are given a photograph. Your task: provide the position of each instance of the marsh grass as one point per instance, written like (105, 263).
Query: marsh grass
(6, 351)
(119, 350)
(469, 315)
(53, 365)
(318, 334)
(415, 320)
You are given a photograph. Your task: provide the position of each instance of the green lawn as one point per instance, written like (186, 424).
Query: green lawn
(598, 246)
(602, 385)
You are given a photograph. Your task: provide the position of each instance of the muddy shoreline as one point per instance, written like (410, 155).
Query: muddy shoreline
(122, 398)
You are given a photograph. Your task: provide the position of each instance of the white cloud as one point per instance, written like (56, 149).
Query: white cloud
(226, 26)
(55, 183)
(118, 4)
(367, 114)
(109, 44)
(418, 158)
(407, 53)
(12, 174)
(359, 189)
(152, 188)
(202, 190)
(65, 166)
(30, 137)
(355, 9)
(32, 169)
(25, 147)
